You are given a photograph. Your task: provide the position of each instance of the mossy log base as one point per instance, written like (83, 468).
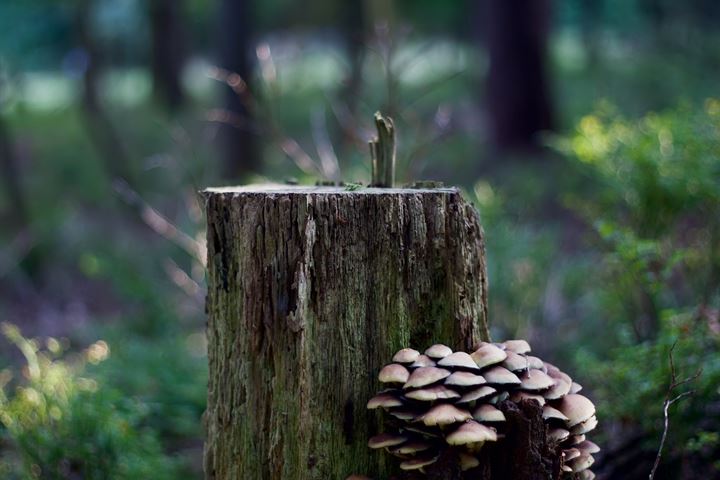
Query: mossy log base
(524, 454)
(310, 292)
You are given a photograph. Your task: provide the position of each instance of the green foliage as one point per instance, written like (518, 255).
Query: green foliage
(60, 424)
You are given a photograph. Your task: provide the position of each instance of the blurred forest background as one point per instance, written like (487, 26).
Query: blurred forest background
(587, 132)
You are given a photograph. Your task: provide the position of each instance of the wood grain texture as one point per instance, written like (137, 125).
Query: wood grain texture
(310, 292)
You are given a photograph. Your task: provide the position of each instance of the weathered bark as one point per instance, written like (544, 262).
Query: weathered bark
(310, 292)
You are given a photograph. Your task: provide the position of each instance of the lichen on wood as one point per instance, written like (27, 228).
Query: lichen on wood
(310, 291)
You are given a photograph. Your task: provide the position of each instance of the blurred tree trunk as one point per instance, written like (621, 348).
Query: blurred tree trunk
(168, 51)
(101, 131)
(354, 36)
(237, 139)
(518, 94)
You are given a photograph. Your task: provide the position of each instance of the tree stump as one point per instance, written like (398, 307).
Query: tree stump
(310, 292)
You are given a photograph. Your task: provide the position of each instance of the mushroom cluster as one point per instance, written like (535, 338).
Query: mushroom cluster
(442, 399)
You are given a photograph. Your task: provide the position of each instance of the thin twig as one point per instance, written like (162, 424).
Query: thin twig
(674, 383)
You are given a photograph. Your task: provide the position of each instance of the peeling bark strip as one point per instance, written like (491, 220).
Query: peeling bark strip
(310, 292)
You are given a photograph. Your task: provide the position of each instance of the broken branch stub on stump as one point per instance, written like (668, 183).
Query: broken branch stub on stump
(310, 290)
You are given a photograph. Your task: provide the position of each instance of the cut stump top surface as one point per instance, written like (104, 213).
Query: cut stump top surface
(280, 189)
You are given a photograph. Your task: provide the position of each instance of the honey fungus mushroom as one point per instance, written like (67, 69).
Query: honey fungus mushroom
(443, 399)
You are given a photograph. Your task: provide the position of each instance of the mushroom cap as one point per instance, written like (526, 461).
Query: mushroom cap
(483, 391)
(386, 440)
(577, 408)
(517, 346)
(488, 354)
(438, 351)
(536, 380)
(425, 376)
(411, 447)
(575, 387)
(501, 376)
(575, 439)
(464, 379)
(585, 427)
(588, 447)
(583, 462)
(393, 373)
(571, 453)
(586, 475)
(517, 397)
(417, 463)
(558, 434)
(468, 461)
(515, 362)
(535, 362)
(471, 432)
(558, 390)
(403, 414)
(458, 360)
(488, 413)
(406, 355)
(550, 413)
(555, 372)
(384, 400)
(423, 361)
(444, 414)
(431, 394)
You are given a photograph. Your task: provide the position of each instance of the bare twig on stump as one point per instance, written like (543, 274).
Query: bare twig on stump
(669, 400)
(382, 152)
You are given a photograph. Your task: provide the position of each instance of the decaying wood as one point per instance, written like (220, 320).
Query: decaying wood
(310, 292)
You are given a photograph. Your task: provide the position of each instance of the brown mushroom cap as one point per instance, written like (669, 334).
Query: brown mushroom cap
(534, 380)
(471, 432)
(586, 475)
(515, 362)
(501, 376)
(444, 414)
(438, 351)
(464, 379)
(517, 346)
(588, 447)
(425, 376)
(384, 400)
(411, 447)
(559, 389)
(393, 373)
(585, 427)
(575, 387)
(488, 354)
(386, 440)
(571, 453)
(458, 360)
(483, 391)
(423, 361)
(488, 413)
(535, 362)
(558, 434)
(417, 463)
(577, 408)
(430, 394)
(550, 413)
(574, 439)
(583, 462)
(406, 355)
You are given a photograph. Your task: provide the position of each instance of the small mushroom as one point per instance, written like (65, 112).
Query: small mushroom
(431, 394)
(406, 355)
(425, 376)
(588, 447)
(550, 413)
(559, 389)
(535, 380)
(386, 440)
(384, 400)
(468, 461)
(438, 351)
(464, 379)
(413, 447)
(472, 432)
(577, 408)
(488, 354)
(515, 362)
(517, 346)
(585, 427)
(458, 360)
(488, 413)
(501, 376)
(583, 462)
(558, 434)
(575, 387)
(417, 463)
(571, 453)
(393, 373)
(477, 394)
(444, 414)
(422, 361)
